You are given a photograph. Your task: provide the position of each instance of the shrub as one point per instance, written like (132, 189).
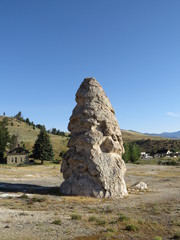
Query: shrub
(57, 222)
(131, 227)
(24, 196)
(123, 218)
(169, 163)
(98, 221)
(157, 238)
(76, 217)
(36, 200)
(92, 219)
(110, 230)
(113, 222)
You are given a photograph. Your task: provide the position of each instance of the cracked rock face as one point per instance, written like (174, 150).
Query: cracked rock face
(93, 165)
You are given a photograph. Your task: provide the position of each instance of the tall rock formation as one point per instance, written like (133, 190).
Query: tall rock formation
(93, 165)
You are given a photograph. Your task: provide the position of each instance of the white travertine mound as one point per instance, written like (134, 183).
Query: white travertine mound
(93, 165)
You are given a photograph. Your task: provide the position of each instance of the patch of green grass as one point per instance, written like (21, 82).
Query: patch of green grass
(24, 196)
(57, 222)
(171, 162)
(123, 218)
(131, 227)
(113, 222)
(110, 230)
(155, 209)
(92, 210)
(76, 217)
(98, 221)
(141, 221)
(92, 219)
(35, 199)
(108, 210)
(157, 238)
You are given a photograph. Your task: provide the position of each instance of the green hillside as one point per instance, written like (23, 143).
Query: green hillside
(151, 143)
(28, 136)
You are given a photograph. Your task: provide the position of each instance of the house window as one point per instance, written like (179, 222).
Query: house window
(15, 159)
(21, 159)
(12, 160)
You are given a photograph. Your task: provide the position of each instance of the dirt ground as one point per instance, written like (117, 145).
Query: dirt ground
(31, 207)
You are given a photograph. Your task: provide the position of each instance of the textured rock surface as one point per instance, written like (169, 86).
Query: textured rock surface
(140, 186)
(93, 165)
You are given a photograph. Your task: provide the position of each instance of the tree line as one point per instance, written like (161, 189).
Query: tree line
(132, 152)
(54, 131)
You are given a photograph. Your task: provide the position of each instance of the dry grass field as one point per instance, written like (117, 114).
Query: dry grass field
(31, 207)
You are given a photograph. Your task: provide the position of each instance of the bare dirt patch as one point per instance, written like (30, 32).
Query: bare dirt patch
(35, 210)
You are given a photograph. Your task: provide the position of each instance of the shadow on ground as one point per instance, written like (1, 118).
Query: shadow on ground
(29, 188)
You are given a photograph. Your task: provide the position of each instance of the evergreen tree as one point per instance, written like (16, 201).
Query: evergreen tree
(19, 116)
(127, 154)
(40, 126)
(27, 121)
(132, 152)
(54, 131)
(4, 137)
(43, 149)
(135, 153)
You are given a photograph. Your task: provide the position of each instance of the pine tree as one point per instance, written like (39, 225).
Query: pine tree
(135, 153)
(43, 149)
(127, 154)
(19, 116)
(132, 152)
(4, 137)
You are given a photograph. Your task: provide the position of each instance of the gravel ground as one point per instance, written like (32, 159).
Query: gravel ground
(31, 208)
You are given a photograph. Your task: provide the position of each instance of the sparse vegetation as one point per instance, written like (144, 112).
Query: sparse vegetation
(76, 217)
(123, 218)
(98, 221)
(170, 162)
(157, 238)
(107, 218)
(57, 222)
(110, 230)
(131, 227)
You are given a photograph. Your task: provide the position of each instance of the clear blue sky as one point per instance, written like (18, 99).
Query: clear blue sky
(131, 47)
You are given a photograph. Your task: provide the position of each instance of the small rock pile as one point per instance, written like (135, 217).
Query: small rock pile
(137, 188)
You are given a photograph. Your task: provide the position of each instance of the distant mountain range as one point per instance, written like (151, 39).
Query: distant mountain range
(175, 135)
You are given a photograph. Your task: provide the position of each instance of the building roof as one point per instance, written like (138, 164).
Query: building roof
(18, 150)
